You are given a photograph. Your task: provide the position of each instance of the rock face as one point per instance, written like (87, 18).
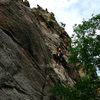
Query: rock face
(28, 41)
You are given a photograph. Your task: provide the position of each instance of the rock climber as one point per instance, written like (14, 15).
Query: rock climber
(59, 55)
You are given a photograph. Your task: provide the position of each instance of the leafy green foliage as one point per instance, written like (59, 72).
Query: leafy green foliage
(85, 46)
(84, 89)
(64, 92)
(87, 88)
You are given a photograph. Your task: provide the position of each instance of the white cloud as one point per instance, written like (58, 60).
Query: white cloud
(73, 1)
(69, 18)
(98, 32)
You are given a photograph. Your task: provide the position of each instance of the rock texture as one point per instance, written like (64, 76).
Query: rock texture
(28, 41)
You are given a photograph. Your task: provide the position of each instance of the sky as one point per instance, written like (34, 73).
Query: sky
(69, 12)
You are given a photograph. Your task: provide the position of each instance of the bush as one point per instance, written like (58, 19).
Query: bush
(84, 89)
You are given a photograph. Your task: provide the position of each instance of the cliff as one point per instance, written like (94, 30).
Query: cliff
(28, 44)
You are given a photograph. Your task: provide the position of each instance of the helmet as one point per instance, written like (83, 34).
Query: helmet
(59, 49)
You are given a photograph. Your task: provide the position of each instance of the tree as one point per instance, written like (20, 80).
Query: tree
(83, 89)
(85, 46)
(84, 54)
